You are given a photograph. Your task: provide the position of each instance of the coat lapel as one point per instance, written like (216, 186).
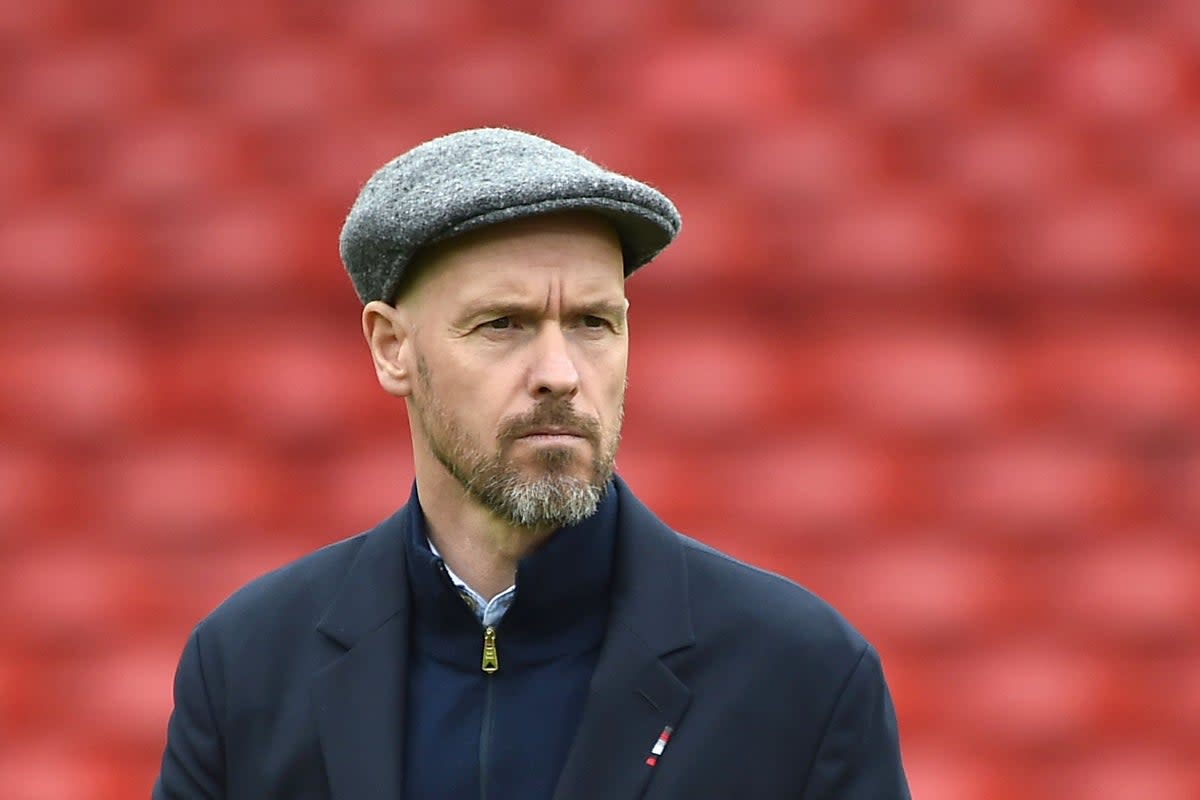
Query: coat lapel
(633, 694)
(359, 697)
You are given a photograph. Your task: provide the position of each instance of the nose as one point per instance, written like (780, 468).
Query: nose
(553, 373)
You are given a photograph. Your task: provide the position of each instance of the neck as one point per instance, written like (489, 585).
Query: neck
(481, 549)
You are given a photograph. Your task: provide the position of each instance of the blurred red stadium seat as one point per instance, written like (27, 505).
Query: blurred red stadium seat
(891, 239)
(23, 696)
(243, 248)
(74, 388)
(1175, 160)
(722, 247)
(1130, 771)
(497, 79)
(21, 167)
(175, 161)
(1119, 77)
(273, 379)
(925, 593)
(1032, 487)
(1139, 590)
(125, 695)
(47, 767)
(692, 378)
(1024, 696)
(942, 769)
(300, 383)
(85, 81)
(32, 484)
(816, 24)
(1007, 159)
(910, 79)
(78, 592)
(61, 249)
(1123, 376)
(996, 25)
(810, 160)
(930, 378)
(410, 24)
(808, 486)
(1179, 697)
(241, 23)
(598, 27)
(689, 81)
(1095, 240)
(289, 82)
(188, 490)
(1181, 497)
(359, 487)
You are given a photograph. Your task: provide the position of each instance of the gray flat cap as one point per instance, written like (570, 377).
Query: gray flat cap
(470, 179)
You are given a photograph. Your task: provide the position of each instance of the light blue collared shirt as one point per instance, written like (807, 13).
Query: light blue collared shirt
(488, 612)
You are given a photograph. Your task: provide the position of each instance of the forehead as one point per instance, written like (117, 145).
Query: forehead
(576, 253)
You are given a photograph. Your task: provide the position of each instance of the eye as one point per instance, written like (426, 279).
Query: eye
(592, 321)
(498, 324)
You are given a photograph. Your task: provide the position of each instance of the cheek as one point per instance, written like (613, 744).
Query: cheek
(613, 387)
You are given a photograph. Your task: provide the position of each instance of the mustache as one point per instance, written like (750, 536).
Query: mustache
(555, 414)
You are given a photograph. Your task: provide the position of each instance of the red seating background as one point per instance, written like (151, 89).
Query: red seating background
(928, 342)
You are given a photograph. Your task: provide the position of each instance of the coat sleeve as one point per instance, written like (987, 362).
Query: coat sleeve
(193, 765)
(859, 755)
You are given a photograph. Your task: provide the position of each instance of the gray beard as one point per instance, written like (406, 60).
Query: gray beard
(548, 501)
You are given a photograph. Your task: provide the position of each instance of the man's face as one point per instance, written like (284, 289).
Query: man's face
(520, 346)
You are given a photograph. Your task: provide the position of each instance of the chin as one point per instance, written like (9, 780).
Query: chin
(559, 463)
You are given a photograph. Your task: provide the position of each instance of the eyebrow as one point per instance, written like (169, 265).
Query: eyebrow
(504, 307)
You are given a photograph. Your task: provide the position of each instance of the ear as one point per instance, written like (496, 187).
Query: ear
(388, 333)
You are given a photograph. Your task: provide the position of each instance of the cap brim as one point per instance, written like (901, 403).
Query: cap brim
(643, 231)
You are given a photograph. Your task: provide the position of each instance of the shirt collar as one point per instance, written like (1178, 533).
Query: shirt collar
(488, 612)
(559, 603)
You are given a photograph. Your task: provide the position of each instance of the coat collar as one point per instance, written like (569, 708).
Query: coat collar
(634, 696)
(359, 697)
(650, 586)
(376, 587)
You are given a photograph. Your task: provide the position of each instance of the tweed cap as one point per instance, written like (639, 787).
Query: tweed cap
(474, 178)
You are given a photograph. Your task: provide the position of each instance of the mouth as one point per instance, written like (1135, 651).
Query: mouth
(551, 430)
(552, 435)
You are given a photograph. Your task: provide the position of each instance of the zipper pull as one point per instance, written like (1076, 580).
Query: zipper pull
(491, 659)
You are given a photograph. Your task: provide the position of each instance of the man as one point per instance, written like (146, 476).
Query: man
(523, 628)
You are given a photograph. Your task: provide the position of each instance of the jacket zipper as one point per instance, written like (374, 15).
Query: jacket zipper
(490, 664)
(491, 658)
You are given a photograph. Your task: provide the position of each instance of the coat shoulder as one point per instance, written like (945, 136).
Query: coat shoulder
(297, 592)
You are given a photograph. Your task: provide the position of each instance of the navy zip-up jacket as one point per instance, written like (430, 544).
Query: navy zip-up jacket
(503, 733)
